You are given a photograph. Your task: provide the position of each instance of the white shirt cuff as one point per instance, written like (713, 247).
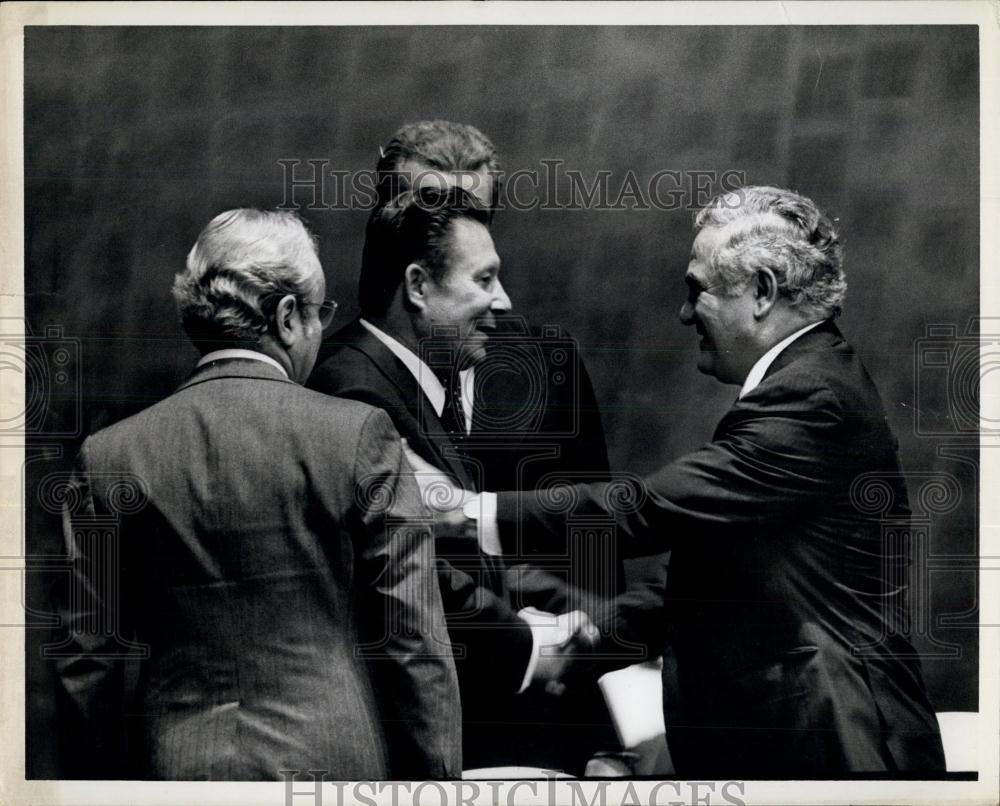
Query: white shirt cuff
(529, 672)
(483, 509)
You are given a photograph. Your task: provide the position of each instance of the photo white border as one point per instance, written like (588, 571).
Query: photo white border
(15, 15)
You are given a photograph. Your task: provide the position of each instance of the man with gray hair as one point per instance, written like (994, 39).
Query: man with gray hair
(786, 603)
(281, 587)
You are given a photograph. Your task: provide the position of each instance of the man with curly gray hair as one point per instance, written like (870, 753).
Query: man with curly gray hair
(281, 587)
(248, 271)
(765, 265)
(786, 602)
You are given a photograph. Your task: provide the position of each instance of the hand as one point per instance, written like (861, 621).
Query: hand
(561, 639)
(438, 491)
(454, 523)
(445, 501)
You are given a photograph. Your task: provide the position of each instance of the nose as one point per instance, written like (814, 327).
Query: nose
(687, 313)
(501, 302)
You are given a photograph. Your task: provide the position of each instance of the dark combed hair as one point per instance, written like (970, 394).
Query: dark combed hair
(439, 144)
(411, 228)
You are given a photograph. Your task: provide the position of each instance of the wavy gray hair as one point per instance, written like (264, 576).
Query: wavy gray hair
(243, 262)
(807, 257)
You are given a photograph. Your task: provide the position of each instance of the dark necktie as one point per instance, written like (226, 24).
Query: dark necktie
(453, 421)
(453, 416)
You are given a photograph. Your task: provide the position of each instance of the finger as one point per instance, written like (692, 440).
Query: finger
(555, 688)
(575, 621)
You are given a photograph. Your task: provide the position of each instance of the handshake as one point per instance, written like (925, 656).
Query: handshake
(559, 640)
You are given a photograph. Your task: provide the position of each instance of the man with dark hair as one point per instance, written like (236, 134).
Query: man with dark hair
(430, 276)
(282, 587)
(786, 601)
(532, 416)
(532, 411)
(417, 226)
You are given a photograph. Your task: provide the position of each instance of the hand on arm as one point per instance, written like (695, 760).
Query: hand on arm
(437, 489)
(457, 512)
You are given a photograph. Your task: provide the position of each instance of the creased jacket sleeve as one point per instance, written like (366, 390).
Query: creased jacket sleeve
(90, 675)
(766, 462)
(412, 660)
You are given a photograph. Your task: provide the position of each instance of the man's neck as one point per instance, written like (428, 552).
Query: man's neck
(399, 326)
(224, 353)
(270, 347)
(773, 329)
(783, 328)
(763, 362)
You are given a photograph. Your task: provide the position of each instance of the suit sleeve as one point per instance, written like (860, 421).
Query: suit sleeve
(90, 675)
(492, 643)
(768, 460)
(632, 625)
(403, 617)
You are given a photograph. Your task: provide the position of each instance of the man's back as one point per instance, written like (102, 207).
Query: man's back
(254, 572)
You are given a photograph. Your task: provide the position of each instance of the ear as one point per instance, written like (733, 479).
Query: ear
(415, 281)
(765, 292)
(286, 321)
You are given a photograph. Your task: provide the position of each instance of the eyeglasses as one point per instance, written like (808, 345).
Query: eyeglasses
(327, 310)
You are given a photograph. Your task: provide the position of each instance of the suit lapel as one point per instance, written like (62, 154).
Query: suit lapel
(432, 434)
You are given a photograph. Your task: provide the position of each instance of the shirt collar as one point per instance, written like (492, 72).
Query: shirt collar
(235, 352)
(428, 382)
(759, 370)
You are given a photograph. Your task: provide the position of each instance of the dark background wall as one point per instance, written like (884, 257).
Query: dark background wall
(136, 137)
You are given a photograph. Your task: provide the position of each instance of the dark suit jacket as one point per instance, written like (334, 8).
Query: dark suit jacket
(784, 599)
(537, 423)
(261, 563)
(492, 643)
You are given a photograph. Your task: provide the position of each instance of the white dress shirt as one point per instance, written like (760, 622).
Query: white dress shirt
(236, 352)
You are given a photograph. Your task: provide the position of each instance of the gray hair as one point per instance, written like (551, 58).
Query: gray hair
(794, 264)
(808, 254)
(243, 262)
